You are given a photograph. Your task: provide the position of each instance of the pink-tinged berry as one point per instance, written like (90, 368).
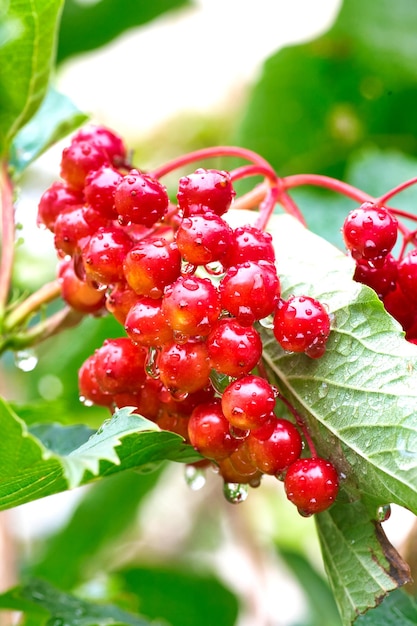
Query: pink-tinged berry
(77, 293)
(78, 160)
(274, 446)
(248, 402)
(209, 431)
(407, 275)
(119, 366)
(56, 199)
(302, 324)
(119, 301)
(191, 305)
(203, 238)
(312, 485)
(250, 291)
(105, 139)
(89, 390)
(146, 323)
(234, 349)
(370, 233)
(100, 186)
(73, 228)
(140, 199)
(184, 368)
(151, 265)
(250, 244)
(104, 254)
(205, 189)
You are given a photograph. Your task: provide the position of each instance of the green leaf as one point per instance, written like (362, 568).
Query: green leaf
(30, 470)
(352, 87)
(397, 609)
(26, 57)
(45, 605)
(181, 596)
(56, 118)
(361, 564)
(110, 19)
(107, 509)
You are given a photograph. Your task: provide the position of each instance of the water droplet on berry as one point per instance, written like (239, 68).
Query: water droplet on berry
(26, 360)
(267, 322)
(85, 402)
(195, 477)
(235, 493)
(151, 365)
(179, 395)
(383, 513)
(238, 433)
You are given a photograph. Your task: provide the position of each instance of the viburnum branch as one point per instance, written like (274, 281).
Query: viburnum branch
(56, 323)
(8, 236)
(326, 182)
(393, 192)
(33, 303)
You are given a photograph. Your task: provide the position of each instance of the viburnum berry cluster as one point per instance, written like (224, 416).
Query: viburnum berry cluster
(190, 292)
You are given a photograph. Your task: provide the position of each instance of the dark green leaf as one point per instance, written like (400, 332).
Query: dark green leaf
(181, 596)
(48, 606)
(56, 118)
(109, 17)
(26, 56)
(398, 609)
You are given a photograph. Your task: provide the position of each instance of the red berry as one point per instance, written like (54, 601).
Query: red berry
(146, 323)
(78, 160)
(56, 199)
(205, 189)
(250, 244)
(100, 186)
(120, 300)
(105, 139)
(234, 349)
(79, 294)
(248, 402)
(400, 307)
(120, 366)
(239, 469)
(275, 452)
(312, 485)
(140, 199)
(151, 265)
(250, 291)
(184, 368)
(380, 279)
(407, 275)
(104, 254)
(302, 324)
(202, 239)
(191, 305)
(370, 233)
(74, 227)
(209, 432)
(90, 392)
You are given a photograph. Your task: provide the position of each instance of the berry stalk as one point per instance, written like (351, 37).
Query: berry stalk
(8, 235)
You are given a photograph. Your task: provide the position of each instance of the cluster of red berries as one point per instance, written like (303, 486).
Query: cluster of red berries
(370, 233)
(189, 291)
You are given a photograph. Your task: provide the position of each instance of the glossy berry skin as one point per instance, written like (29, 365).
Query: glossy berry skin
(104, 254)
(407, 275)
(275, 450)
(77, 293)
(381, 279)
(100, 186)
(119, 366)
(250, 244)
(146, 323)
(191, 305)
(57, 198)
(401, 307)
(78, 160)
(203, 238)
(105, 139)
(140, 199)
(238, 468)
(151, 265)
(248, 402)
(74, 226)
(205, 189)
(209, 432)
(312, 485)
(234, 349)
(370, 233)
(302, 324)
(184, 368)
(89, 390)
(119, 301)
(250, 291)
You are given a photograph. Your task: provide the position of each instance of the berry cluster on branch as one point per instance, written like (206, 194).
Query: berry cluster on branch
(189, 291)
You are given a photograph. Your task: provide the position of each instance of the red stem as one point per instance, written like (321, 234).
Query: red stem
(301, 424)
(393, 192)
(8, 235)
(317, 180)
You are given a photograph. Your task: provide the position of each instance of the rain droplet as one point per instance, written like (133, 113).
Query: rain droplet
(323, 390)
(235, 493)
(151, 365)
(195, 477)
(26, 360)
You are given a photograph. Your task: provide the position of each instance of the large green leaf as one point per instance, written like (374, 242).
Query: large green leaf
(26, 56)
(109, 18)
(352, 87)
(398, 609)
(31, 468)
(44, 605)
